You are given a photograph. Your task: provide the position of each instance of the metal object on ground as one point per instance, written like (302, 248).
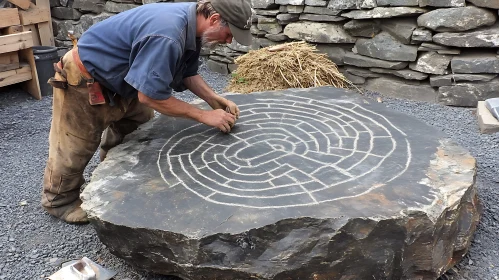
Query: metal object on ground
(84, 269)
(493, 105)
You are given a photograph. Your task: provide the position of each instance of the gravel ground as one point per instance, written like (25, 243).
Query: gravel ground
(33, 244)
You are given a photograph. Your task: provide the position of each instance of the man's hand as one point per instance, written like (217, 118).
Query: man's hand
(198, 86)
(177, 108)
(222, 103)
(220, 119)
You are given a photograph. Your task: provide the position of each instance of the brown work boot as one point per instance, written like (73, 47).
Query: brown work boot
(71, 213)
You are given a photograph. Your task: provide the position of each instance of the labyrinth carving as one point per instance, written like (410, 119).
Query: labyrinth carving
(288, 152)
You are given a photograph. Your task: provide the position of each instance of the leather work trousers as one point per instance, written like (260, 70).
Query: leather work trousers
(77, 131)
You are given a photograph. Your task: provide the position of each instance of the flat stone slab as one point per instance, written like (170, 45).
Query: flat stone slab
(487, 123)
(310, 184)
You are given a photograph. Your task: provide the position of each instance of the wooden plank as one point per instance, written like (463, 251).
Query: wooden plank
(15, 42)
(8, 17)
(23, 4)
(32, 86)
(9, 61)
(35, 14)
(35, 33)
(46, 36)
(45, 29)
(12, 29)
(16, 76)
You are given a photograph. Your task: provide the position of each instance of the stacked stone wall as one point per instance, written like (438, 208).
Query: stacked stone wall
(79, 15)
(432, 50)
(442, 51)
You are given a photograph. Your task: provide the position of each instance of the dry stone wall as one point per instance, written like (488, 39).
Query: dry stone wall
(442, 51)
(432, 50)
(79, 15)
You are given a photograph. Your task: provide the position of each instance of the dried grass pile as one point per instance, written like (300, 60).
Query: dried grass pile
(289, 65)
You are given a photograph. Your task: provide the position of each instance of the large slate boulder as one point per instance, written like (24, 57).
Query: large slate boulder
(310, 184)
(457, 19)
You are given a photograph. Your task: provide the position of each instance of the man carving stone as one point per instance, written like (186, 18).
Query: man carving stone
(121, 70)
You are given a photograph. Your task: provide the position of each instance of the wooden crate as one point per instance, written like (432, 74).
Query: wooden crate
(17, 63)
(21, 28)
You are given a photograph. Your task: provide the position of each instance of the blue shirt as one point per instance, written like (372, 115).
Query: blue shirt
(150, 49)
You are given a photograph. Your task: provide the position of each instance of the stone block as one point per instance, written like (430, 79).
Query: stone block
(217, 67)
(475, 63)
(386, 47)
(404, 73)
(271, 28)
(351, 4)
(321, 18)
(457, 19)
(318, 32)
(61, 28)
(88, 20)
(290, 2)
(321, 11)
(487, 123)
(432, 63)
(491, 4)
(318, 3)
(361, 72)
(400, 88)
(442, 3)
(422, 35)
(113, 7)
(468, 95)
(385, 12)
(362, 28)
(291, 9)
(486, 37)
(276, 37)
(263, 4)
(65, 13)
(356, 80)
(398, 3)
(94, 6)
(335, 52)
(452, 79)
(271, 13)
(285, 19)
(351, 58)
(400, 28)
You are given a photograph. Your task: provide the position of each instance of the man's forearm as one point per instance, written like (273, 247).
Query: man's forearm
(199, 87)
(173, 107)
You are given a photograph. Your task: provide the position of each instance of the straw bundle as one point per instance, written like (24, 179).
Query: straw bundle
(290, 65)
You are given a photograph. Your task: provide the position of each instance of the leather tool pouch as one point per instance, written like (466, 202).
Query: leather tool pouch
(95, 95)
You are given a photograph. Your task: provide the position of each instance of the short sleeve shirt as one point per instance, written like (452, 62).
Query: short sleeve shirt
(150, 49)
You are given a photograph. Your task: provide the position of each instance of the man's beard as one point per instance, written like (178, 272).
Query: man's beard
(205, 39)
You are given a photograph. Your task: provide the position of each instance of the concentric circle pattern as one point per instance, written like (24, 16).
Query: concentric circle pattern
(287, 153)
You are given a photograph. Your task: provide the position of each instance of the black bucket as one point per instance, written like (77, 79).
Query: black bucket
(45, 57)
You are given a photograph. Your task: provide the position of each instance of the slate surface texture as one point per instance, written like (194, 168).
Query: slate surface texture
(310, 184)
